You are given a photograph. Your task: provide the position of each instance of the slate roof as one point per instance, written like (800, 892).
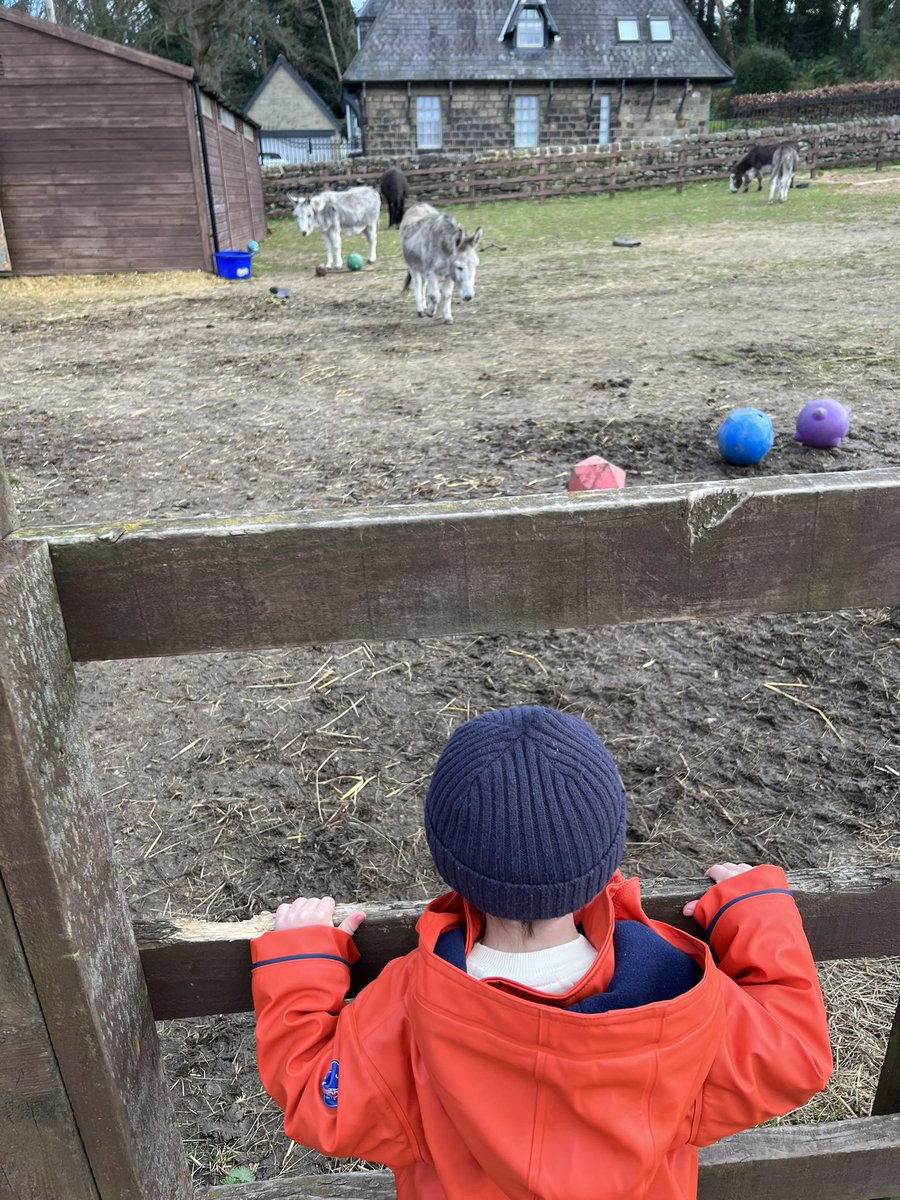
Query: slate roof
(440, 40)
(310, 92)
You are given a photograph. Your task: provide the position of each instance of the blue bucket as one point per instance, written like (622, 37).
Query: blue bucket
(233, 264)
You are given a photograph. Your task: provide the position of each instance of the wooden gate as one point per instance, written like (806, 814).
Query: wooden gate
(84, 1107)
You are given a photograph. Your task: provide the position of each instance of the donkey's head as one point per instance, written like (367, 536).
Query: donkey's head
(302, 213)
(464, 262)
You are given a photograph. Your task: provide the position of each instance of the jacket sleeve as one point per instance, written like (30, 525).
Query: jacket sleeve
(776, 1052)
(312, 1053)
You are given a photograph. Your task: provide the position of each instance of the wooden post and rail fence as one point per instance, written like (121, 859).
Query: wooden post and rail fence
(85, 1112)
(605, 170)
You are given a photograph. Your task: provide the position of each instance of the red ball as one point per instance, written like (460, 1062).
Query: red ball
(320, 270)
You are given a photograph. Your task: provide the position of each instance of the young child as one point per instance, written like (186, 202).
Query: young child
(545, 1040)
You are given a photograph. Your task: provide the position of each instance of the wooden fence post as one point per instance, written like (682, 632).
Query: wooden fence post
(8, 517)
(612, 174)
(879, 157)
(815, 157)
(41, 1155)
(542, 180)
(472, 196)
(58, 871)
(679, 174)
(887, 1095)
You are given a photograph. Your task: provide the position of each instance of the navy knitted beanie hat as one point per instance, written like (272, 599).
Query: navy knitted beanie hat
(525, 813)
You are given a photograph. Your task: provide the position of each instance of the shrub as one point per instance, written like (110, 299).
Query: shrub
(825, 72)
(762, 69)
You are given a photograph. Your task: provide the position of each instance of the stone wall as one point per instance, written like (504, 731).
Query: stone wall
(480, 117)
(572, 168)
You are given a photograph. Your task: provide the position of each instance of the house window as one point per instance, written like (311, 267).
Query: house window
(660, 29)
(526, 120)
(628, 29)
(530, 30)
(603, 121)
(248, 131)
(226, 118)
(428, 122)
(206, 105)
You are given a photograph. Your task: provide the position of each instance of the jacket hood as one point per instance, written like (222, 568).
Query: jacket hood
(514, 1069)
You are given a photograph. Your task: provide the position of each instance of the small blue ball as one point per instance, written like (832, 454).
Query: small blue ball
(745, 437)
(253, 247)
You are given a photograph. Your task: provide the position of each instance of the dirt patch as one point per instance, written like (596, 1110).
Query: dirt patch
(235, 781)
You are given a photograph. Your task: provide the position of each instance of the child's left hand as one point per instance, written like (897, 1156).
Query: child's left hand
(310, 910)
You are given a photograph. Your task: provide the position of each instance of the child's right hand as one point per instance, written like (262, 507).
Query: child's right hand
(717, 872)
(310, 910)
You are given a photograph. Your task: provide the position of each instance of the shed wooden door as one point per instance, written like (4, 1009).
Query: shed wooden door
(5, 264)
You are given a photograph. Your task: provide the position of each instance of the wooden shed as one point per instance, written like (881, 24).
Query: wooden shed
(115, 160)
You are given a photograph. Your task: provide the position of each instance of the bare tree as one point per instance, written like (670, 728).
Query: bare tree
(726, 32)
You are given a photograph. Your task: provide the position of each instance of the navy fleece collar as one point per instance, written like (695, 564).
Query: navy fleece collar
(647, 968)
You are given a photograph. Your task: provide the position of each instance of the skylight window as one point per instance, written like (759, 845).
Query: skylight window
(628, 29)
(529, 30)
(660, 29)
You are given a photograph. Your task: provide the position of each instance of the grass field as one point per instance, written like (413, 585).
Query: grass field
(701, 206)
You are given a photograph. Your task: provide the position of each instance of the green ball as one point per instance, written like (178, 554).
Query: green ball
(355, 262)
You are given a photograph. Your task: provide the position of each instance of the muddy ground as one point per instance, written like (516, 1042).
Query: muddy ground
(235, 781)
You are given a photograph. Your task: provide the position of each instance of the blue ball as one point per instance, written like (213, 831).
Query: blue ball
(253, 247)
(745, 437)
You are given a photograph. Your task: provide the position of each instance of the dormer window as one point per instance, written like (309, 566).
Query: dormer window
(528, 25)
(628, 29)
(660, 29)
(530, 30)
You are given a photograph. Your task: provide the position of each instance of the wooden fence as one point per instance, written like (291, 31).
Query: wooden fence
(84, 1107)
(592, 172)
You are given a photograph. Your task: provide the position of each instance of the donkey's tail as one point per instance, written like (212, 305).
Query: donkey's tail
(408, 281)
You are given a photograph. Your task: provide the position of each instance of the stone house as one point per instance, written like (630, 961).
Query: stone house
(464, 76)
(295, 123)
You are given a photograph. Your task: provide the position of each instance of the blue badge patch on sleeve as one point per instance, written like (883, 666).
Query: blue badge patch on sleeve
(330, 1086)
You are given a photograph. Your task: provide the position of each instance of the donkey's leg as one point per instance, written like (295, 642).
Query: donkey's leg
(329, 249)
(431, 285)
(418, 284)
(372, 232)
(446, 296)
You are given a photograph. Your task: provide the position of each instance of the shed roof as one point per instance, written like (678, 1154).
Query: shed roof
(101, 45)
(459, 40)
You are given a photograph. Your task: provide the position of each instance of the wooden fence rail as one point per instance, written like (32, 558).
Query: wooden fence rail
(197, 968)
(797, 543)
(840, 1160)
(604, 170)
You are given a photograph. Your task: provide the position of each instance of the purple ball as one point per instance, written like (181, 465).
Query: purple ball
(822, 423)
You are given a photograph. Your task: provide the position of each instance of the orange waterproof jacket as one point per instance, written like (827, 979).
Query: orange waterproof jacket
(482, 1090)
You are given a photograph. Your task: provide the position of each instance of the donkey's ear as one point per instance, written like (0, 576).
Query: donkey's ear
(293, 199)
(476, 238)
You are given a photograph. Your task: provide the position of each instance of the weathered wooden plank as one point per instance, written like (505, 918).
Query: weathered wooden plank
(5, 263)
(791, 544)
(9, 518)
(58, 867)
(196, 968)
(41, 1155)
(840, 1160)
(843, 1160)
